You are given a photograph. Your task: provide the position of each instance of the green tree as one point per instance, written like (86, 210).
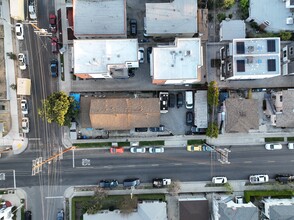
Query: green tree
(244, 4)
(59, 108)
(11, 55)
(212, 130)
(228, 3)
(285, 35)
(212, 94)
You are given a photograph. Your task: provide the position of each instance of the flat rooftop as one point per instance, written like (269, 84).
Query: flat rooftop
(276, 13)
(107, 17)
(256, 56)
(179, 16)
(179, 61)
(94, 56)
(232, 29)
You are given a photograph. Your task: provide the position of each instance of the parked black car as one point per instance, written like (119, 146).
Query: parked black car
(196, 130)
(28, 215)
(133, 27)
(149, 51)
(180, 100)
(108, 183)
(157, 129)
(141, 129)
(189, 118)
(284, 178)
(171, 100)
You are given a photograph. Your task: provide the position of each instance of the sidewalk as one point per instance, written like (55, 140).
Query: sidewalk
(13, 138)
(172, 201)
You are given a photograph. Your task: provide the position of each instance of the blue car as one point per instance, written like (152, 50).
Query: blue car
(60, 215)
(54, 68)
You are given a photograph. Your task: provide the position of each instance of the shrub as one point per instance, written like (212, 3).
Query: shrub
(212, 130)
(221, 16)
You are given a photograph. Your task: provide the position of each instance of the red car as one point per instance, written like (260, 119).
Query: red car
(54, 45)
(116, 150)
(52, 22)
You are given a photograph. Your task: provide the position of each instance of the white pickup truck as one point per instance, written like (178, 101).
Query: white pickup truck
(159, 182)
(32, 10)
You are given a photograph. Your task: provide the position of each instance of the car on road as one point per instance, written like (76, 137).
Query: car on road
(141, 55)
(54, 45)
(28, 215)
(54, 68)
(22, 61)
(24, 107)
(163, 97)
(149, 51)
(116, 150)
(171, 100)
(108, 183)
(133, 27)
(138, 149)
(52, 22)
(132, 182)
(32, 11)
(194, 148)
(189, 118)
(19, 31)
(258, 179)
(219, 180)
(290, 146)
(180, 100)
(205, 147)
(60, 215)
(273, 146)
(284, 178)
(156, 150)
(25, 125)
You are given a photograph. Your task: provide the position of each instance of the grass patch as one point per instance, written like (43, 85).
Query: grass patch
(199, 141)
(112, 201)
(85, 145)
(274, 139)
(150, 143)
(22, 213)
(290, 138)
(248, 194)
(3, 192)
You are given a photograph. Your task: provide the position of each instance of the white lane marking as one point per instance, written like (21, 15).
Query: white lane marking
(271, 161)
(34, 139)
(178, 164)
(84, 167)
(248, 161)
(54, 197)
(154, 165)
(292, 160)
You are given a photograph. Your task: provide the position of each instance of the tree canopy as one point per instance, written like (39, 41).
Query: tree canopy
(59, 108)
(212, 94)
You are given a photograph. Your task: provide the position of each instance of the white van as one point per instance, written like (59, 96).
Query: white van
(73, 131)
(189, 99)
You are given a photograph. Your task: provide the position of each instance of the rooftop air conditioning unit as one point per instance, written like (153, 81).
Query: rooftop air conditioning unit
(289, 20)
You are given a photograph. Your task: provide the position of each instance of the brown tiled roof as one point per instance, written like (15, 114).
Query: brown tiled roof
(241, 115)
(124, 113)
(286, 119)
(197, 209)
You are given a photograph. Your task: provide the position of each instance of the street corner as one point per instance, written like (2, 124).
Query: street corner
(19, 145)
(69, 192)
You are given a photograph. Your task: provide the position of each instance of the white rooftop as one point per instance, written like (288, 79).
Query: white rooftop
(273, 11)
(107, 17)
(232, 29)
(258, 57)
(179, 16)
(200, 109)
(179, 61)
(146, 211)
(95, 56)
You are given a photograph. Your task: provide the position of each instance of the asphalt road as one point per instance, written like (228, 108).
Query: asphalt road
(90, 166)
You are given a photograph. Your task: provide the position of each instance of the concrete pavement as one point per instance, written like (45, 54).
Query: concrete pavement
(13, 138)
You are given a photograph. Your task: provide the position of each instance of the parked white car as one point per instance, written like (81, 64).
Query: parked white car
(219, 180)
(273, 146)
(290, 146)
(258, 178)
(25, 124)
(32, 12)
(24, 107)
(141, 55)
(138, 149)
(22, 61)
(19, 31)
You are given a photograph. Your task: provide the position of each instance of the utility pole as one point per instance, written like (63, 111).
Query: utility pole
(38, 162)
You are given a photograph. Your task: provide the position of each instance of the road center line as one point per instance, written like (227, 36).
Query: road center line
(177, 164)
(154, 165)
(248, 161)
(271, 161)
